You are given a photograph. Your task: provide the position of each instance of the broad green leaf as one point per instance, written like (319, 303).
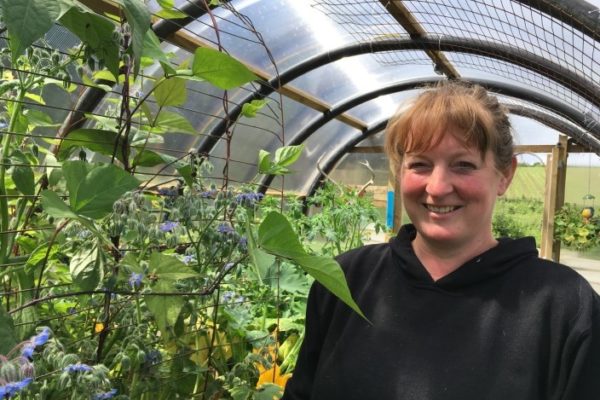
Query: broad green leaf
(23, 178)
(262, 261)
(169, 268)
(165, 309)
(8, 85)
(54, 206)
(97, 32)
(170, 122)
(167, 68)
(8, 339)
(148, 158)
(276, 236)
(268, 391)
(250, 109)
(35, 97)
(21, 124)
(287, 155)
(264, 163)
(97, 140)
(153, 50)
(287, 277)
(130, 261)
(166, 3)
(329, 274)
(139, 19)
(104, 75)
(185, 171)
(86, 267)
(71, 87)
(39, 255)
(170, 92)
(74, 173)
(100, 188)
(220, 69)
(39, 118)
(170, 14)
(91, 83)
(27, 21)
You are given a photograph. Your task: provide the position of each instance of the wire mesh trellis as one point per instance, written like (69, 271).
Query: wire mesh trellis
(120, 274)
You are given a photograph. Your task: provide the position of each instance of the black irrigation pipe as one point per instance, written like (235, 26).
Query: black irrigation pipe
(528, 60)
(580, 15)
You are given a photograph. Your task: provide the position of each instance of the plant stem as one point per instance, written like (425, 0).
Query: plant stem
(6, 142)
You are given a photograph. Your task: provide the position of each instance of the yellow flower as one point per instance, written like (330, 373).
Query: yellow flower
(98, 327)
(273, 374)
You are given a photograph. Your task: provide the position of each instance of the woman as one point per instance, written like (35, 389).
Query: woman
(456, 313)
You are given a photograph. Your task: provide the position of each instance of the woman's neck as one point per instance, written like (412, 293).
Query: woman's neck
(442, 259)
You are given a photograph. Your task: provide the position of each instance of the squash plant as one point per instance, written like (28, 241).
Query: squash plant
(576, 231)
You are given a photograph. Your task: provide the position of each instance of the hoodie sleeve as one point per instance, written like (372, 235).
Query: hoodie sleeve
(300, 385)
(581, 367)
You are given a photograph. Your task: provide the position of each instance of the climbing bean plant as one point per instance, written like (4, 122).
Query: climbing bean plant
(116, 285)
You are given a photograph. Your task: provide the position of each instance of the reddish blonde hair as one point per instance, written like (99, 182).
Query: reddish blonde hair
(469, 111)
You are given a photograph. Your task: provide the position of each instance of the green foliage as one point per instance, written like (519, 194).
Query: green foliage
(574, 230)
(8, 339)
(341, 220)
(28, 20)
(284, 157)
(149, 290)
(276, 236)
(220, 69)
(253, 107)
(518, 217)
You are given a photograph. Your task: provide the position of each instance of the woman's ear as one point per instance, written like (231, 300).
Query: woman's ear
(507, 176)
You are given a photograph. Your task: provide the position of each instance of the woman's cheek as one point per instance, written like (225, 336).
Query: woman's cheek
(411, 184)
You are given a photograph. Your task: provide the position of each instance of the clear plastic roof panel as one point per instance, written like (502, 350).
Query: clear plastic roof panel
(548, 50)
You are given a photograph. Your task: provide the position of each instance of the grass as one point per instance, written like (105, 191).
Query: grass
(529, 182)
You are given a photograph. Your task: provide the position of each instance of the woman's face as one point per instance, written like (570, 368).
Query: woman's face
(449, 193)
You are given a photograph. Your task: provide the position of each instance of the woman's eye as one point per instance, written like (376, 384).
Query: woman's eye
(466, 166)
(417, 165)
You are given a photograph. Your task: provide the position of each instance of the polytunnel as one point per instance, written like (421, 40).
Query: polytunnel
(150, 150)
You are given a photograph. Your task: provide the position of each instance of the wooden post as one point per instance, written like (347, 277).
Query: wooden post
(397, 205)
(554, 197)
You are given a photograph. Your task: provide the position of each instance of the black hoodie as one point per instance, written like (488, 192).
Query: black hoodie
(506, 325)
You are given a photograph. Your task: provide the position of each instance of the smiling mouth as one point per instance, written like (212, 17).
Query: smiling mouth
(441, 209)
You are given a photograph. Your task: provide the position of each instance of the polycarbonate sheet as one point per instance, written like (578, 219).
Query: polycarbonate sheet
(350, 77)
(318, 148)
(473, 66)
(508, 22)
(289, 31)
(264, 132)
(383, 107)
(350, 170)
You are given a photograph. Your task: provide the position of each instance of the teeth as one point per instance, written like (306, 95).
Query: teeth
(440, 210)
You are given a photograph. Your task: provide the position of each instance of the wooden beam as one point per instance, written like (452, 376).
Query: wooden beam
(414, 29)
(546, 148)
(554, 197)
(190, 43)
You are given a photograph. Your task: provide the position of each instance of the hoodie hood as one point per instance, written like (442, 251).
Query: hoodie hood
(491, 263)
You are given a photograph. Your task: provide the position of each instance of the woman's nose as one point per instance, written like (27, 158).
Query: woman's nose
(438, 182)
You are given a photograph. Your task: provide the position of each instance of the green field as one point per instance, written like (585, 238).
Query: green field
(529, 182)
